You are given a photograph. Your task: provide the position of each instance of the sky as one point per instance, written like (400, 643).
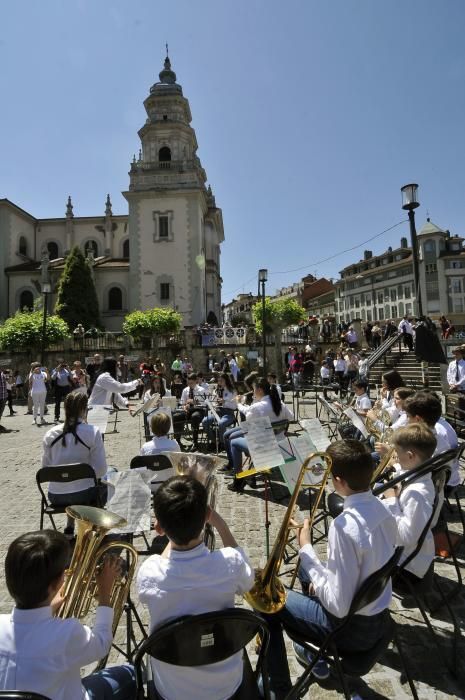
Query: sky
(310, 115)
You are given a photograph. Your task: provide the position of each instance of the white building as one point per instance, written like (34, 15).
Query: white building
(165, 252)
(381, 287)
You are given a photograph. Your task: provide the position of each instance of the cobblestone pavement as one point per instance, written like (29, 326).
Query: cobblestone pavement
(20, 459)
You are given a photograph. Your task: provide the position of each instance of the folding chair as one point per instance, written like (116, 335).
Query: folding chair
(63, 474)
(201, 640)
(353, 663)
(21, 695)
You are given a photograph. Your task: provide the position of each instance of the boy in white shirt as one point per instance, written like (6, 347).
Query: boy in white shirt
(43, 653)
(362, 402)
(325, 373)
(189, 579)
(360, 541)
(412, 505)
(160, 425)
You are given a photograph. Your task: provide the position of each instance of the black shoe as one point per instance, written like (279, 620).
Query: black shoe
(226, 469)
(238, 485)
(252, 482)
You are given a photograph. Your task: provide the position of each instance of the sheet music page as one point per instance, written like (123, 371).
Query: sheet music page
(98, 416)
(147, 405)
(212, 410)
(330, 409)
(131, 498)
(316, 432)
(262, 443)
(356, 421)
(169, 402)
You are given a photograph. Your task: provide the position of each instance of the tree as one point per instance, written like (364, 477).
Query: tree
(146, 324)
(279, 314)
(24, 331)
(77, 299)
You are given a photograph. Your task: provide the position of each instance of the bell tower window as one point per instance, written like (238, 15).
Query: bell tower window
(164, 154)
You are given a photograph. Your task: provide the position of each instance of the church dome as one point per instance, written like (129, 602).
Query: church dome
(167, 84)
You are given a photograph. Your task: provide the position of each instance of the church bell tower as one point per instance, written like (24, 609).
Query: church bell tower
(175, 227)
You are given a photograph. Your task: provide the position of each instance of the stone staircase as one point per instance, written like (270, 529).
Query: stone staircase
(410, 369)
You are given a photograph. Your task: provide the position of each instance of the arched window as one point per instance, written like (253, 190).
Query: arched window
(115, 299)
(26, 300)
(164, 154)
(91, 246)
(126, 248)
(22, 246)
(52, 248)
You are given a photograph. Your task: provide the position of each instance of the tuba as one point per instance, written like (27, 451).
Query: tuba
(268, 594)
(80, 579)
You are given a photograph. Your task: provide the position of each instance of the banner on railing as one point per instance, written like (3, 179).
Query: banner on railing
(223, 336)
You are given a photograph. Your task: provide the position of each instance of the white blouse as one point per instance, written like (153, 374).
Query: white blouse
(105, 386)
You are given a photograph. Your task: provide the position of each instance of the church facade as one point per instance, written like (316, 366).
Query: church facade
(164, 252)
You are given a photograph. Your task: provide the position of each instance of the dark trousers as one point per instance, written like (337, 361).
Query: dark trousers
(194, 416)
(61, 392)
(408, 340)
(10, 401)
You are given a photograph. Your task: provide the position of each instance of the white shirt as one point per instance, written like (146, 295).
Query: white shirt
(71, 453)
(351, 337)
(264, 408)
(362, 403)
(445, 434)
(199, 395)
(340, 365)
(38, 380)
(229, 399)
(44, 654)
(405, 327)
(360, 541)
(411, 511)
(452, 373)
(324, 373)
(400, 422)
(234, 369)
(190, 583)
(105, 386)
(160, 444)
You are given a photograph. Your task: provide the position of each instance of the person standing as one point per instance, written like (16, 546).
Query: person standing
(93, 368)
(79, 378)
(37, 383)
(176, 365)
(3, 397)
(376, 336)
(9, 388)
(405, 327)
(351, 337)
(122, 369)
(61, 376)
(233, 368)
(456, 378)
(108, 390)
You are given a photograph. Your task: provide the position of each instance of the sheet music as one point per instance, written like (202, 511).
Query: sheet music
(303, 447)
(356, 421)
(317, 433)
(169, 402)
(130, 497)
(147, 405)
(98, 416)
(212, 410)
(262, 443)
(327, 406)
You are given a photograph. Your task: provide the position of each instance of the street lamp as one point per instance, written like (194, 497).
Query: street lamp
(46, 289)
(262, 278)
(410, 203)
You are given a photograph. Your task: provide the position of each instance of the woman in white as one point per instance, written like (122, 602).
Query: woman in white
(107, 385)
(267, 402)
(37, 380)
(75, 442)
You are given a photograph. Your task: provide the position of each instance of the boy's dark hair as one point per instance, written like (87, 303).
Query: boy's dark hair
(192, 376)
(360, 384)
(403, 392)
(416, 437)
(180, 506)
(352, 461)
(160, 424)
(424, 405)
(33, 562)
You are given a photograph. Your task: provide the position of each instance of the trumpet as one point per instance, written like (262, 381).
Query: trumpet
(268, 594)
(80, 587)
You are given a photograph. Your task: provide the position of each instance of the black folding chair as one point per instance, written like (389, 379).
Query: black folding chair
(350, 662)
(63, 474)
(155, 463)
(201, 640)
(21, 695)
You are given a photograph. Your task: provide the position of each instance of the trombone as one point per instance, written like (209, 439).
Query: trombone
(268, 594)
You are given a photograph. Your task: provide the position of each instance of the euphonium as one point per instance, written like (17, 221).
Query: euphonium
(268, 594)
(80, 579)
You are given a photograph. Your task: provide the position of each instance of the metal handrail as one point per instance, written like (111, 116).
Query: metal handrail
(383, 349)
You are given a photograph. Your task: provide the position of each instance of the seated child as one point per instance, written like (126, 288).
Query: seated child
(360, 541)
(43, 653)
(189, 579)
(412, 505)
(362, 402)
(160, 425)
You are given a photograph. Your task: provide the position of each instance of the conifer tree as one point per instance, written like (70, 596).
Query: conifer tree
(77, 299)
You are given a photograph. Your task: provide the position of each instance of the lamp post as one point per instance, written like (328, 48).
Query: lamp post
(46, 289)
(410, 203)
(262, 278)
